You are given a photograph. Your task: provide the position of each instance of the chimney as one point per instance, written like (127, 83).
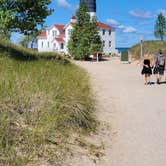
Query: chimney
(73, 19)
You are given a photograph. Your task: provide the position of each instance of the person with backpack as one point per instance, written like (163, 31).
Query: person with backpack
(159, 66)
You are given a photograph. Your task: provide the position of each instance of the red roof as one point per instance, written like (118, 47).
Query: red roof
(59, 26)
(73, 17)
(104, 26)
(60, 40)
(43, 34)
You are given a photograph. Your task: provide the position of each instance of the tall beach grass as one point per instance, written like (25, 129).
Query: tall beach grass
(42, 102)
(149, 47)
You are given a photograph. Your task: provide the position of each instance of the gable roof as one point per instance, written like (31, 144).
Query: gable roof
(104, 26)
(59, 40)
(59, 26)
(42, 35)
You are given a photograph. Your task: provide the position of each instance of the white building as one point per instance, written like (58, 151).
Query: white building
(55, 38)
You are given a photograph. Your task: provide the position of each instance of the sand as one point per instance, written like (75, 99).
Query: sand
(135, 112)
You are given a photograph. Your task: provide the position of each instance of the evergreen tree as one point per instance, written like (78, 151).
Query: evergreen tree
(84, 39)
(95, 40)
(160, 27)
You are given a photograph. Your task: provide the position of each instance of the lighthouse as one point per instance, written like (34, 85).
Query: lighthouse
(91, 6)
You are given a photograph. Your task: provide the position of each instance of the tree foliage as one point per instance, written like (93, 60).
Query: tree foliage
(24, 16)
(160, 27)
(84, 39)
(29, 39)
(5, 19)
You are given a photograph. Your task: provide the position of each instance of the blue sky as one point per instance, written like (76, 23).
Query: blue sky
(132, 19)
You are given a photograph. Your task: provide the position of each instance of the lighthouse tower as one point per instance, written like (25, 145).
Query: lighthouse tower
(91, 6)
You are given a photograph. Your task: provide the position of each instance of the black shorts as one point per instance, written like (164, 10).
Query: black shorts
(158, 70)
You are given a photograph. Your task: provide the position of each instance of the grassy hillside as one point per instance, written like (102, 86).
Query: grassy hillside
(43, 100)
(149, 47)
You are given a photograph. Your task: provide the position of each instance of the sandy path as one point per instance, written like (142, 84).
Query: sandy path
(137, 114)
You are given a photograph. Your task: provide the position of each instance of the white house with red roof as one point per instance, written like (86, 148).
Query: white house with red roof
(55, 38)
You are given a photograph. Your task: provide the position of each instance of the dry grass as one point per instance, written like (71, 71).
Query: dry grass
(149, 47)
(42, 102)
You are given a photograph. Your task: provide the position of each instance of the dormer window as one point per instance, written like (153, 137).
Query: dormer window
(54, 33)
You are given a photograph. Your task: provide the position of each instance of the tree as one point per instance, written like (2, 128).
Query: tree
(160, 27)
(84, 39)
(5, 20)
(29, 39)
(26, 15)
(95, 40)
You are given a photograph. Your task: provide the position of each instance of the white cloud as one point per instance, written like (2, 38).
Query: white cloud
(163, 11)
(121, 27)
(65, 4)
(112, 21)
(141, 14)
(127, 29)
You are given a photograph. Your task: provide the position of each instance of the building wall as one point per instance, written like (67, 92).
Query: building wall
(108, 48)
(48, 44)
(67, 37)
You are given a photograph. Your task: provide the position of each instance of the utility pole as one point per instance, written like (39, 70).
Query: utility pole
(141, 45)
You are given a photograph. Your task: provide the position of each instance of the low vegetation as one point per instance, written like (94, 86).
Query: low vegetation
(43, 100)
(149, 47)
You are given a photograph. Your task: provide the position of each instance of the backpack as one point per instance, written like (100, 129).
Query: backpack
(161, 60)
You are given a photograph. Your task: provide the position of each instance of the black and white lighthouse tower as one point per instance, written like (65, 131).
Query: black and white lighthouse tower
(91, 6)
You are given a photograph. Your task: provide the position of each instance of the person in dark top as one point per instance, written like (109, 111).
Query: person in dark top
(147, 69)
(160, 65)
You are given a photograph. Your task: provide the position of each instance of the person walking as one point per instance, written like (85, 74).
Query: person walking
(159, 66)
(147, 69)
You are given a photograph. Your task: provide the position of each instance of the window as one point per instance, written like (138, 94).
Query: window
(69, 32)
(110, 44)
(42, 44)
(103, 31)
(109, 32)
(54, 33)
(62, 45)
(54, 45)
(103, 43)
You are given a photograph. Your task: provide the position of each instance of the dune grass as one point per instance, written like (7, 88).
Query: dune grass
(42, 102)
(149, 47)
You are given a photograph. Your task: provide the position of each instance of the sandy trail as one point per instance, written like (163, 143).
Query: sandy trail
(137, 114)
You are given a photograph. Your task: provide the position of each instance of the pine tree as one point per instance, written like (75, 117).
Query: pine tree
(160, 27)
(84, 39)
